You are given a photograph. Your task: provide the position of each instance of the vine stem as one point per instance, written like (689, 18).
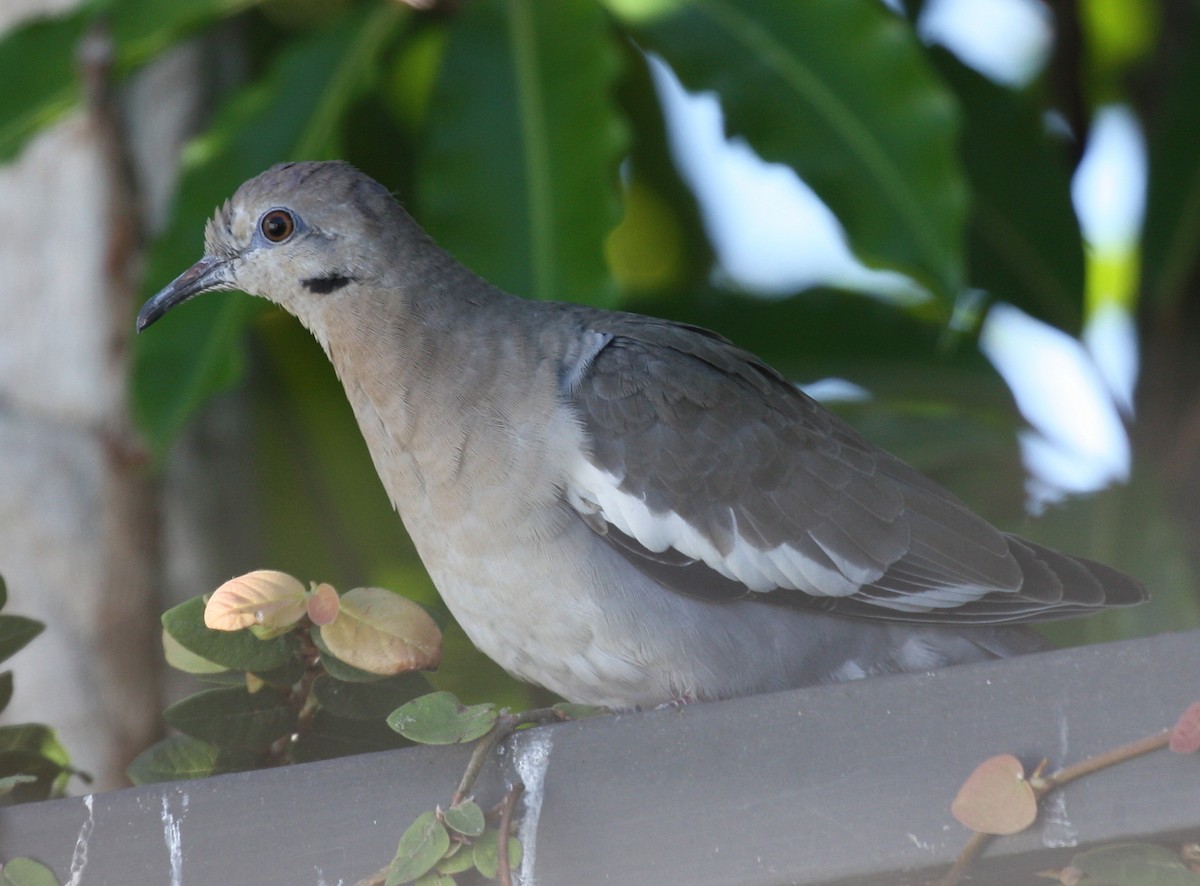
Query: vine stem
(1042, 785)
(506, 725)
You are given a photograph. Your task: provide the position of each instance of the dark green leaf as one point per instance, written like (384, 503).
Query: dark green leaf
(291, 114)
(327, 737)
(3, 592)
(143, 28)
(287, 674)
(518, 176)
(182, 757)
(1025, 244)
(233, 718)
(6, 689)
(486, 853)
(27, 872)
(37, 68)
(33, 750)
(1171, 238)
(368, 701)
(840, 90)
(439, 718)
(421, 847)
(466, 818)
(15, 632)
(240, 650)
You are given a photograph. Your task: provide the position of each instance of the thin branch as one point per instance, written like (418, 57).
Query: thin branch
(504, 871)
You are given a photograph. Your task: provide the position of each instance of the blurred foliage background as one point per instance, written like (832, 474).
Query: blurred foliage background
(528, 138)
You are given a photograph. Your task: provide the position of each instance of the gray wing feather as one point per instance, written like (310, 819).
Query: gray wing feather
(691, 426)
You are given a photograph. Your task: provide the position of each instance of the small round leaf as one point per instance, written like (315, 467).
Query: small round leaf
(1185, 736)
(486, 853)
(27, 872)
(439, 718)
(421, 847)
(323, 604)
(466, 818)
(996, 798)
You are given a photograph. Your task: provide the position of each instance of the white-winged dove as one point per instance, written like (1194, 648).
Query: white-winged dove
(625, 510)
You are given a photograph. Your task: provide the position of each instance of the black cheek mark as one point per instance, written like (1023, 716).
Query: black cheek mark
(326, 285)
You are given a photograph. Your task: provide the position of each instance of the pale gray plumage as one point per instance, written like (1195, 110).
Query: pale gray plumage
(625, 510)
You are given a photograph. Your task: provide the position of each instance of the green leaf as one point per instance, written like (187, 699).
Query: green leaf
(327, 737)
(439, 718)
(6, 689)
(421, 847)
(33, 750)
(465, 818)
(368, 701)
(486, 853)
(240, 650)
(1024, 239)
(433, 878)
(27, 872)
(233, 717)
(457, 860)
(1171, 236)
(522, 140)
(3, 592)
(38, 70)
(15, 632)
(841, 91)
(292, 113)
(144, 28)
(1133, 864)
(183, 757)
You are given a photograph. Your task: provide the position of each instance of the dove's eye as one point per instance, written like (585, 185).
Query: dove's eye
(277, 225)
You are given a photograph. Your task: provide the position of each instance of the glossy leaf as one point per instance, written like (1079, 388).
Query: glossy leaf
(37, 68)
(522, 141)
(1024, 239)
(439, 718)
(1171, 237)
(233, 717)
(422, 845)
(327, 736)
(182, 757)
(368, 701)
(240, 650)
(183, 659)
(841, 91)
(290, 114)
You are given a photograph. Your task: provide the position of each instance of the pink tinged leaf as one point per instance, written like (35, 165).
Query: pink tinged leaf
(267, 600)
(383, 633)
(323, 604)
(996, 798)
(1185, 737)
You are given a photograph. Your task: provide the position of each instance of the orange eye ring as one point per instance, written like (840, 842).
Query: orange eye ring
(277, 225)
